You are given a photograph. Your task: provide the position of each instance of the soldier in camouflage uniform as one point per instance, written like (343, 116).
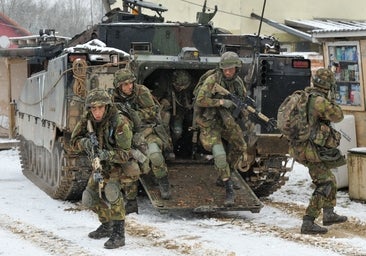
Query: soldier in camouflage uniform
(150, 134)
(176, 102)
(113, 132)
(216, 122)
(320, 152)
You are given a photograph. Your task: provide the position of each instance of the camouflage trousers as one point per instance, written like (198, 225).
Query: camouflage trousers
(106, 211)
(324, 195)
(232, 134)
(160, 170)
(129, 179)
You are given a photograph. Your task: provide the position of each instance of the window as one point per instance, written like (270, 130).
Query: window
(345, 59)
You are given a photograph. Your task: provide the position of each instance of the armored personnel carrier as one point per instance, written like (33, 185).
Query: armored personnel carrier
(62, 71)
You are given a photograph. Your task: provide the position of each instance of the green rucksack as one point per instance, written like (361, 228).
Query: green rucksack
(292, 117)
(201, 80)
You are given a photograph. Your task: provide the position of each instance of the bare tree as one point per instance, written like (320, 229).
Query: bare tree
(67, 17)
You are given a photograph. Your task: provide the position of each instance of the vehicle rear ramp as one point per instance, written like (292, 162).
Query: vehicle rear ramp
(193, 187)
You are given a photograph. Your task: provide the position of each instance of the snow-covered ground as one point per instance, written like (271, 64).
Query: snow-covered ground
(32, 223)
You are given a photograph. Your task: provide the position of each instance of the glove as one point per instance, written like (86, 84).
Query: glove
(104, 154)
(135, 117)
(228, 103)
(138, 155)
(86, 145)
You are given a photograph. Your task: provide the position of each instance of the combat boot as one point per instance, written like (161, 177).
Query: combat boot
(220, 183)
(309, 227)
(131, 206)
(104, 230)
(230, 196)
(330, 217)
(117, 238)
(164, 187)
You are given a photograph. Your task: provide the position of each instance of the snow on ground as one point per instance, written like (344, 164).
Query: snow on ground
(32, 223)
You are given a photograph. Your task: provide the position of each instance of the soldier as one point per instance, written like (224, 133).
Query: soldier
(112, 144)
(176, 103)
(137, 100)
(217, 124)
(320, 152)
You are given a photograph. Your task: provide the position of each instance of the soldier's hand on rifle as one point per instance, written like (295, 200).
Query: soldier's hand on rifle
(272, 124)
(86, 145)
(227, 103)
(104, 154)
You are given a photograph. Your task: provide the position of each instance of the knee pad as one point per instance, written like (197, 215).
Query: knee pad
(155, 155)
(219, 155)
(112, 191)
(89, 198)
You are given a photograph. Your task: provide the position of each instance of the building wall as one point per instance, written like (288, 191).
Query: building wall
(16, 69)
(234, 15)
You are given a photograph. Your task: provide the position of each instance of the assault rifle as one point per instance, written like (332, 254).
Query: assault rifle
(97, 167)
(246, 104)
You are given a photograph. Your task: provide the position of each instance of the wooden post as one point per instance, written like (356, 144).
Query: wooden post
(12, 132)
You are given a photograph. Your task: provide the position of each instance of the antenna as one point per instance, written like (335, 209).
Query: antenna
(261, 21)
(250, 78)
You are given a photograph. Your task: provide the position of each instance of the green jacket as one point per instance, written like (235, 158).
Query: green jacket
(208, 102)
(141, 101)
(114, 134)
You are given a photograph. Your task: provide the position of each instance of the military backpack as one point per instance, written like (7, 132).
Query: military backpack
(202, 80)
(292, 117)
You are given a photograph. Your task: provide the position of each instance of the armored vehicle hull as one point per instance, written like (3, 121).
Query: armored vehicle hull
(53, 100)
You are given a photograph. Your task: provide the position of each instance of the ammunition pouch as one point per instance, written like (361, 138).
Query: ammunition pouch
(164, 136)
(89, 198)
(326, 136)
(112, 191)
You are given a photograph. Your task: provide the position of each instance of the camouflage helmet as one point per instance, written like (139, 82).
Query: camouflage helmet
(181, 80)
(97, 97)
(123, 75)
(323, 79)
(230, 60)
